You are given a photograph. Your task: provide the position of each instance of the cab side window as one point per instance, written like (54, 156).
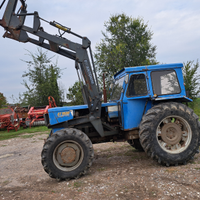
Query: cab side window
(137, 86)
(165, 82)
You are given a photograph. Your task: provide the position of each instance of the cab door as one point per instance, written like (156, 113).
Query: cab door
(135, 100)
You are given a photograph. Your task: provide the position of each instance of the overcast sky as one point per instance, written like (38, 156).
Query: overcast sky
(175, 24)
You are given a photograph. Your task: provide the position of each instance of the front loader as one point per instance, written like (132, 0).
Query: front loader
(146, 108)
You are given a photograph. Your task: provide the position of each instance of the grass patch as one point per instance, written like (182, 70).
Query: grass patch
(5, 183)
(78, 184)
(4, 135)
(192, 162)
(101, 169)
(130, 152)
(27, 136)
(195, 105)
(109, 156)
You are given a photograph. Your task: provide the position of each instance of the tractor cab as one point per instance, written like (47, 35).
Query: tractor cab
(137, 89)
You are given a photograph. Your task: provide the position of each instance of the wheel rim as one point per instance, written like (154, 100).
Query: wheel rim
(68, 155)
(174, 134)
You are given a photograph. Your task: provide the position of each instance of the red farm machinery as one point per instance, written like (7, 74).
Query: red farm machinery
(12, 118)
(36, 114)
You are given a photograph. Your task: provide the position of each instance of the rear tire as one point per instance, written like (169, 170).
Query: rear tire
(169, 133)
(67, 154)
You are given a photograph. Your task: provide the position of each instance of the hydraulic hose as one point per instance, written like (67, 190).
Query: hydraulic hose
(23, 4)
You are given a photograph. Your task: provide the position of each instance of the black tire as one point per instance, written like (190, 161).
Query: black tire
(67, 154)
(199, 131)
(136, 144)
(27, 122)
(169, 133)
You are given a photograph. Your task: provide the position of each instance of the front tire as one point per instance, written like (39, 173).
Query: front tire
(169, 133)
(67, 154)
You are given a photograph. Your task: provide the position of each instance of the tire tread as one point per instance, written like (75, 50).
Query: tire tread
(148, 120)
(57, 135)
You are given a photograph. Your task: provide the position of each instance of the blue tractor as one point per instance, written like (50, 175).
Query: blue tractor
(147, 107)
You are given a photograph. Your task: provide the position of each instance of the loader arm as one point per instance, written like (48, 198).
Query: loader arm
(13, 23)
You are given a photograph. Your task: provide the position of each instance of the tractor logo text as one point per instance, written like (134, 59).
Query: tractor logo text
(62, 114)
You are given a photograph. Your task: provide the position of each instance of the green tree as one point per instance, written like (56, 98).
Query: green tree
(42, 75)
(127, 42)
(3, 100)
(75, 94)
(191, 78)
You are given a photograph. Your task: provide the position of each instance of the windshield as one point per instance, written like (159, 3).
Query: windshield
(117, 89)
(5, 111)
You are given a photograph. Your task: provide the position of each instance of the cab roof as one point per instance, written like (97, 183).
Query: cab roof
(148, 68)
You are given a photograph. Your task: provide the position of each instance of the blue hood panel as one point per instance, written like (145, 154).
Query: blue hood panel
(61, 114)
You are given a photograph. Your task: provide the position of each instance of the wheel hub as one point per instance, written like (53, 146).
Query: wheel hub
(171, 133)
(68, 155)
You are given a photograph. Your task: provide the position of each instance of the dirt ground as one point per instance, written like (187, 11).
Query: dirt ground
(118, 172)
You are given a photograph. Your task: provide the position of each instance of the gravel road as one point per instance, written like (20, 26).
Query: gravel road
(118, 172)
